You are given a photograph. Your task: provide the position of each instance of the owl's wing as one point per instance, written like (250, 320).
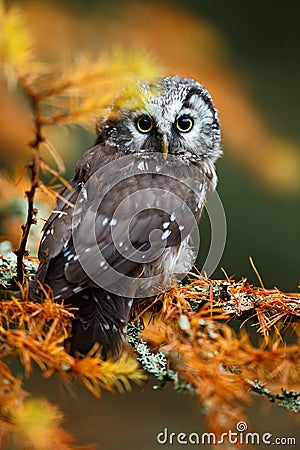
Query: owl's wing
(57, 231)
(119, 202)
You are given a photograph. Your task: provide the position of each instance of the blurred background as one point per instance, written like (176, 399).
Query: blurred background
(245, 54)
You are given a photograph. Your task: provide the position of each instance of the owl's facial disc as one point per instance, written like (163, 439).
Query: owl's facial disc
(173, 116)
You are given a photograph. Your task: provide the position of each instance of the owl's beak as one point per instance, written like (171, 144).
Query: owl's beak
(165, 146)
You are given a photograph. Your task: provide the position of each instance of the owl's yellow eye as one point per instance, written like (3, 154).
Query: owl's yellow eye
(144, 124)
(184, 124)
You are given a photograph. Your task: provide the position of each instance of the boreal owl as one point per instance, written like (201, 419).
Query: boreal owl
(122, 231)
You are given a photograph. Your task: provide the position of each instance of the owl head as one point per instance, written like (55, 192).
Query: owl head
(173, 116)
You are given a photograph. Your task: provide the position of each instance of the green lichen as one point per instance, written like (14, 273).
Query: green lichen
(156, 363)
(8, 265)
(287, 399)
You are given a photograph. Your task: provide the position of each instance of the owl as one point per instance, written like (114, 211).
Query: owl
(120, 233)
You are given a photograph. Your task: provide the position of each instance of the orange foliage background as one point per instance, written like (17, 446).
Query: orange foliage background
(182, 44)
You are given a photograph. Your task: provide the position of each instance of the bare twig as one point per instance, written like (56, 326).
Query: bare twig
(34, 168)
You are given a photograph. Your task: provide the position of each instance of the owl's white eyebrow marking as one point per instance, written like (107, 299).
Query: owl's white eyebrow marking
(172, 217)
(165, 225)
(165, 235)
(113, 222)
(105, 221)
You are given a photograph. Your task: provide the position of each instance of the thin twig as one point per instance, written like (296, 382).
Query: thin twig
(34, 168)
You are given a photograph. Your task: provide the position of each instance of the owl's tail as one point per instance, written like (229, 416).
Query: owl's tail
(101, 318)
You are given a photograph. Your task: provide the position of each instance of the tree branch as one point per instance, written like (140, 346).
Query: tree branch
(34, 168)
